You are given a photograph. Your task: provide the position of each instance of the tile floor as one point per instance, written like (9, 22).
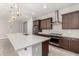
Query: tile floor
(55, 51)
(6, 49)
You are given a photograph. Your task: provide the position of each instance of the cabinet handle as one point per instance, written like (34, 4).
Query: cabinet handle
(25, 48)
(73, 39)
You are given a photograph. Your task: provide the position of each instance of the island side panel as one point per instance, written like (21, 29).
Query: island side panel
(37, 49)
(45, 48)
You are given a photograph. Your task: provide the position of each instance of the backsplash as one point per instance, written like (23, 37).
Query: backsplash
(57, 28)
(71, 32)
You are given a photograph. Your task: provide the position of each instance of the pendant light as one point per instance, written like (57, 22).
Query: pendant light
(14, 12)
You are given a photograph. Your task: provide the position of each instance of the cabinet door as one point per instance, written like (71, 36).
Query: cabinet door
(70, 21)
(67, 21)
(75, 20)
(36, 26)
(36, 23)
(45, 48)
(74, 45)
(64, 43)
(43, 24)
(48, 23)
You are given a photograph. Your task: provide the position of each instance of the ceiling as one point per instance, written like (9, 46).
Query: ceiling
(33, 9)
(37, 9)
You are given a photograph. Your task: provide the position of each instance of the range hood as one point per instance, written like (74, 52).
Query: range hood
(57, 17)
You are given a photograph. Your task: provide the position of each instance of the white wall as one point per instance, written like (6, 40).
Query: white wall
(6, 27)
(15, 27)
(30, 26)
(58, 28)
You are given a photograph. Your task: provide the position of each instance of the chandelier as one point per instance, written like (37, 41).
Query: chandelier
(14, 12)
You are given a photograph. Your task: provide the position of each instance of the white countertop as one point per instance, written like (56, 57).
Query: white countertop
(71, 36)
(20, 41)
(66, 34)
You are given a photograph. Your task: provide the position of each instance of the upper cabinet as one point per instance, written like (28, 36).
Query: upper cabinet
(36, 26)
(36, 23)
(46, 23)
(43, 24)
(70, 20)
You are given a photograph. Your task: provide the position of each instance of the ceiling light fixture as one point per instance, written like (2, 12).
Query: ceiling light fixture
(26, 16)
(15, 12)
(33, 13)
(45, 6)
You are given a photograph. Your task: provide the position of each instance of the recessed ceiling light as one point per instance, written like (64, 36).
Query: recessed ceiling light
(33, 13)
(45, 6)
(26, 16)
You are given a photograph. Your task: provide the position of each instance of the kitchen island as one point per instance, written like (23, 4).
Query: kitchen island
(29, 45)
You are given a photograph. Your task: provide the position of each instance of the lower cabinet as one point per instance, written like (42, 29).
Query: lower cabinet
(74, 45)
(64, 43)
(45, 48)
(71, 44)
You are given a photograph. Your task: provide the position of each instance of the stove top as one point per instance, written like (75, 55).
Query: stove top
(55, 34)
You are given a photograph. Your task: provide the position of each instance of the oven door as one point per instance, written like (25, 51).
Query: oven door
(54, 40)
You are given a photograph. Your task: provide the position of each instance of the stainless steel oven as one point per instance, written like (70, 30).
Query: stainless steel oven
(55, 39)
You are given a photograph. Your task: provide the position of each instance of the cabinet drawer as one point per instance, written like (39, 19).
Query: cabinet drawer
(64, 43)
(71, 44)
(27, 52)
(74, 45)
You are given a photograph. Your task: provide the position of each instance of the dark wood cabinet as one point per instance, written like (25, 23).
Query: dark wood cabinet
(70, 20)
(64, 43)
(74, 45)
(36, 23)
(71, 44)
(45, 48)
(43, 24)
(46, 23)
(36, 26)
(49, 23)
